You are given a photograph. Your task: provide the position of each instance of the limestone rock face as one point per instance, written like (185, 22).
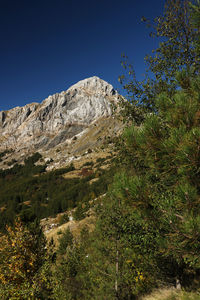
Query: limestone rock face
(57, 118)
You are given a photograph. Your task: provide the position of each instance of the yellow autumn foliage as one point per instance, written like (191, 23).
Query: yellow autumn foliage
(21, 259)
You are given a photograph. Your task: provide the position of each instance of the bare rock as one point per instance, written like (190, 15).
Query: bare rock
(57, 118)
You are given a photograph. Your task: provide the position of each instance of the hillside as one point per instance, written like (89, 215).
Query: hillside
(67, 142)
(61, 119)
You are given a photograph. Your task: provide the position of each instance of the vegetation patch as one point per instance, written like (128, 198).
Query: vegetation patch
(47, 194)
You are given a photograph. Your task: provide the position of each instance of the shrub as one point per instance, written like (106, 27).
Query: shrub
(65, 241)
(79, 213)
(22, 258)
(88, 163)
(63, 219)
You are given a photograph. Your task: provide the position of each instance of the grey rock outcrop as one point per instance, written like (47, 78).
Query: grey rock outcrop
(57, 118)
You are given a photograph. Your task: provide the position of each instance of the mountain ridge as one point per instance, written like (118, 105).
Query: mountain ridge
(61, 119)
(78, 106)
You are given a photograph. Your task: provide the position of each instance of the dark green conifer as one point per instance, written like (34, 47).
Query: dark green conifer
(165, 186)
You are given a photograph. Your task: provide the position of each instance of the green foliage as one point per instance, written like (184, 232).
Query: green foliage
(33, 159)
(10, 163)
(63, 219)
(195, 12)
(65, 241)
(147, 229)
(23, 264)
(116, 270)
(163, 186)
(80, 211)
(176, 51)
(100, 159)
(30, 192)
(71, 269)
(161, 158)
(88, 163)
(3, 153)
(63, 170)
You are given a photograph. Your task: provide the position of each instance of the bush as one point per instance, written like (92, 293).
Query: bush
(64, 170)
(22, 263)
(88, 163)
(100, 159)
(63, 219)
(65, 241)
(12, 162)
(33, 159)
(79, 213)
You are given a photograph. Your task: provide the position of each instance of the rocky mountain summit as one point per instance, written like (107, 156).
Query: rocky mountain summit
(60, 118)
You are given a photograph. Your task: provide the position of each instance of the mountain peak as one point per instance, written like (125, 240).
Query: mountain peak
(59, 117)
(96, 84)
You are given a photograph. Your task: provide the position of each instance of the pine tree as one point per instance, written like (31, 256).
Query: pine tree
(162, 154)
(164, 183)
(195, 21)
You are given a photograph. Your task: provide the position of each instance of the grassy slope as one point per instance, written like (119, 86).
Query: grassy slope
(171, 294)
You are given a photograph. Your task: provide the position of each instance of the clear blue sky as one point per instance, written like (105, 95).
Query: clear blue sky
(48, 45)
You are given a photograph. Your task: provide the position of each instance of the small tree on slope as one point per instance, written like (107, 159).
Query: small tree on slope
(23, 266)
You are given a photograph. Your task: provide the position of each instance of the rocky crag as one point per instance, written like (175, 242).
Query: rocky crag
(63, 119)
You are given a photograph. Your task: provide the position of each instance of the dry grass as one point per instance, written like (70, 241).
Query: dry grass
(92, 157)
(171, 294)
(72, 174)
(160, 294)
(74, 226)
